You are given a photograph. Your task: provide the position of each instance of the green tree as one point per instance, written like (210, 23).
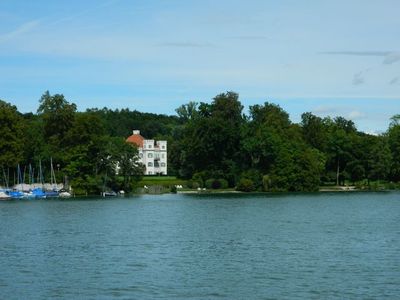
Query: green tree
(264, 135)
(275, 147)
(339, 151)
(125, 158)
(211, 141)
(58, 118)
(11, 135)
(187, 112)
(394, 144)
(35, 146)
(381, 159)
(57, 113)
(85, 140)
(314, 131)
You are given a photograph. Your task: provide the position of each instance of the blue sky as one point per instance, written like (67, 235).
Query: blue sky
(328, 57)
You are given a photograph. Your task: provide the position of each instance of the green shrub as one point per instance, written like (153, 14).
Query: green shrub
(254, 175)
(390, 185)
(216, 184)
(360, 185)
(200, 177)
(374, 186)
(223, 183)
(173, 189)
(208, 183)
(191, 184)
(266, 182)
(245, 185)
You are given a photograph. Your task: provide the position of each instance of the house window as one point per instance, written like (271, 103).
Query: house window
(149, 146)
(162, 147)
(163, 155)
(150, 155)
(150, 164)
(141, 155)
(162, 164)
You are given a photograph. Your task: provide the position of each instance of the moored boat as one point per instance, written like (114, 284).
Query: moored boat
(51, 194)
(4, 196)
(109, 194)
(16, 194)
(38, 193)
(64, 194)
(54, 192)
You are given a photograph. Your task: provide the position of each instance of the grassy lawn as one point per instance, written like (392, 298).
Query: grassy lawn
(161, 180)
(158, 178)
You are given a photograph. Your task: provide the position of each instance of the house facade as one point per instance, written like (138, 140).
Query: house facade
(152, 154)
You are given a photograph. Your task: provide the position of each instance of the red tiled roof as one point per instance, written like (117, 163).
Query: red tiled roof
(136, 139)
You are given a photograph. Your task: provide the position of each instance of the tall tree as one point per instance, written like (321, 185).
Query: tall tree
(212, 140)
(394, 144)
(58, 117)
(187, 112)
(11, 135)
(339, 151)
(381, 159)
(126, 157)
(314, 131)
(276, 148)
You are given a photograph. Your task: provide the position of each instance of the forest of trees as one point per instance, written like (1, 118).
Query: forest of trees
(214, 144)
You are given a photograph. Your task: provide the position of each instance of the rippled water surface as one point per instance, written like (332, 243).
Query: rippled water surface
(344, 245)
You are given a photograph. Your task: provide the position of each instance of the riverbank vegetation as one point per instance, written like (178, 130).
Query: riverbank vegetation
(210, 145)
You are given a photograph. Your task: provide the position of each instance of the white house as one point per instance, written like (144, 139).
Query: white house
(153, 154)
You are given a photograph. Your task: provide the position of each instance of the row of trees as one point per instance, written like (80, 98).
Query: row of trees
(265, 150)
(213, 143)
(83, 152)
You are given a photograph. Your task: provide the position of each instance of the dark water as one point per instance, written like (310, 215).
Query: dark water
(315, 246)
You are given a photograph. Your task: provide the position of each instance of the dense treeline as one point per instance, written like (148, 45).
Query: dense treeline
(266, 151)
(213, 145)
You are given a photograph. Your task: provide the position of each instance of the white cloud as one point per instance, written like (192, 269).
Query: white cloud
(394, 81)
(355, 115)
(325, 110)
(358, 78)
(374, 132)
(184, 44)
(389, 57)
(21, 30)
(345, 111)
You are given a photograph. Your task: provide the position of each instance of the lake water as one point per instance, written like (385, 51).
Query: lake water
(305, 246)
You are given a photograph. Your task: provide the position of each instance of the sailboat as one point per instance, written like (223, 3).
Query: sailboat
(36, 191)
(26, 189)
(107, 193)
(4, 195)
(15, 193)
(4, 191)
(64, 193)
(53, 192)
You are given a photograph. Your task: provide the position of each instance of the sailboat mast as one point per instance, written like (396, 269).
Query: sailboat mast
(5, 178)
(52, 173)
(40, 172)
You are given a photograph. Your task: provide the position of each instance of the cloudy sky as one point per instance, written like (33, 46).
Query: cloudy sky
(338, 57)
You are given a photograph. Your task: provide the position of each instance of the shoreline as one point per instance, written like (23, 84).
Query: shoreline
(321, 190)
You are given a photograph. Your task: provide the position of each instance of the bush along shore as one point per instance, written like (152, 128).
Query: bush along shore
(213, 146)
(173, 185)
